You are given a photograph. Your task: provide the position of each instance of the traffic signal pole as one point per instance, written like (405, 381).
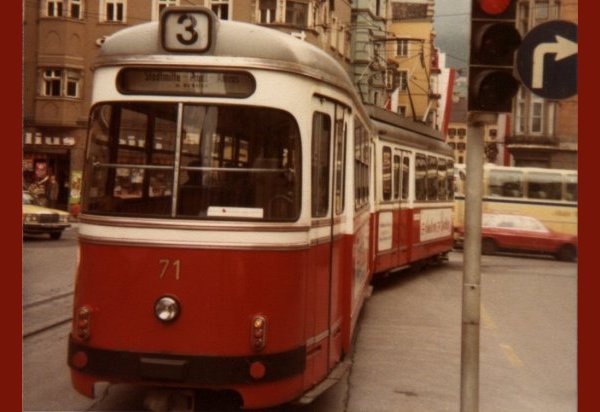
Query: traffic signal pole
(492, 86)
(471, 292)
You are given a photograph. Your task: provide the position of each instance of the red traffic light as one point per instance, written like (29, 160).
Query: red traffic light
(494, 7)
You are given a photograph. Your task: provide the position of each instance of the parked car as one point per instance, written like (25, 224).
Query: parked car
(521, 233)
(39, 219)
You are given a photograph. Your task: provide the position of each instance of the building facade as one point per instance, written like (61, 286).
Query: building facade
(412, 50)
(370, 66)
(61, 39)
(543, 132)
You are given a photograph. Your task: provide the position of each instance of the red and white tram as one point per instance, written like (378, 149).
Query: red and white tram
(229, 228)
(414, 174)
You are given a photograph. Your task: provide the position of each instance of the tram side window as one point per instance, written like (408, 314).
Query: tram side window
(505, 183)
(450, 180)
(321, 136)
(397, 176)
(361, 165)
(421, 177)
(405, 174)
(386, 173)
(432, 178)
(541, 185)
(442, 193)
(570, 193)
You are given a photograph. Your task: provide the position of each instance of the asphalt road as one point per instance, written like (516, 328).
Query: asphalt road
(407, 351)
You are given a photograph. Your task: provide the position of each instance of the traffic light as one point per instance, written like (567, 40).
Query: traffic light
(494, 40)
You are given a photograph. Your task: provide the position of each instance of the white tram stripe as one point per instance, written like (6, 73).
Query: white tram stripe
(202, 238)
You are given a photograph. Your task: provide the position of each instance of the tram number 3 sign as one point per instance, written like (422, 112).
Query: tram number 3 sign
(186, 30)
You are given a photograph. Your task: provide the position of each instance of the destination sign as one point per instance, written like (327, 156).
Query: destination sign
(185, 82)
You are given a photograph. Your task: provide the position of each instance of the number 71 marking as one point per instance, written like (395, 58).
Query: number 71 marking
(165, 263)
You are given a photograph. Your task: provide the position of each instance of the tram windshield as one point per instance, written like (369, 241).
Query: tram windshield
(190, 161)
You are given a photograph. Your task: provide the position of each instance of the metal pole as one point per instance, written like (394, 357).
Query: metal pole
(471, 297)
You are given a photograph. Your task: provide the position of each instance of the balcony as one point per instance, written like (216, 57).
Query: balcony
(532, 140)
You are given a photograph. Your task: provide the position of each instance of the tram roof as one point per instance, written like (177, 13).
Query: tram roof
(275, 49)
(393, 127)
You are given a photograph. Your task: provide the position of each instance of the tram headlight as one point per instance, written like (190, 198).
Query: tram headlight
(167, 309)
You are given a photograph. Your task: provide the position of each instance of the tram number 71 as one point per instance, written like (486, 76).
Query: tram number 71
(165, 264)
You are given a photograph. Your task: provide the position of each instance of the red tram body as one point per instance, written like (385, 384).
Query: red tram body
(252, 281)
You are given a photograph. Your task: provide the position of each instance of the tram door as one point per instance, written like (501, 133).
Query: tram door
(328, 202)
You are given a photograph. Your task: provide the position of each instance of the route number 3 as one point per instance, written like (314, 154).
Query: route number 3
(186, 31)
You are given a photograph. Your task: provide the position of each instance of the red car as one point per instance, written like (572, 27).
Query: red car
(523, 234)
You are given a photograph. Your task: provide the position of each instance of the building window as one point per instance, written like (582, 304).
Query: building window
(537, 116)
(60, 83)
(54, 8)
(268, 10)
(493, 133)
(402, 110)
(64, 8)
(113, 11)
(462, 132)
(296, 13)
(52, 82)
(403, 80)
(160, 5)
(220, 8)
(402, 48)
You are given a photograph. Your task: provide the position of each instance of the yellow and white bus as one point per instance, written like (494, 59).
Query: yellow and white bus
(549, 195)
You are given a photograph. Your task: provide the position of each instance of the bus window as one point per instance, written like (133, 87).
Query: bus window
(542, 185)
(505, 183)
(570, 188)
(420, 177)
(432, 178)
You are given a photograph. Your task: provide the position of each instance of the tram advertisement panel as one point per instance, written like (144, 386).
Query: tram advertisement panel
(435, 224)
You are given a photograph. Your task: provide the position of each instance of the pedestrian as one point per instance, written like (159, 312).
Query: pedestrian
(38, 190)
(52, 189)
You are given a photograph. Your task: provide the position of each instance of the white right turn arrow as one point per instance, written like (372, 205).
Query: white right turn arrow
(563, 48)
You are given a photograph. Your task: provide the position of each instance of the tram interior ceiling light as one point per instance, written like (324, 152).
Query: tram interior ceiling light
(167, 309)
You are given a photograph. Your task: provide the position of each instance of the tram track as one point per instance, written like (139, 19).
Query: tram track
(46, 314)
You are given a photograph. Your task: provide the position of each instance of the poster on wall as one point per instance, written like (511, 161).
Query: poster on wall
(75, 193)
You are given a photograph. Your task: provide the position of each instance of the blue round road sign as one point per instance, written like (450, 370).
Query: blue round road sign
(547, 60)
